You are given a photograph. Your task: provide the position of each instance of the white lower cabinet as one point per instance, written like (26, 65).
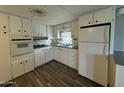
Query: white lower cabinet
(17, 68)
(56, 53)
(73, 61)
(48, 54)
(22, 64)
(43, 55)
(28, 64)
(66, 56)
(39, 57)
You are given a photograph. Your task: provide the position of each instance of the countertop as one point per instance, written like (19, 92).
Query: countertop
(40, 46)
(70, 47)
(119, 57)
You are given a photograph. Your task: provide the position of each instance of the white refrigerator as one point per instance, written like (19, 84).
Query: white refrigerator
(93, 53)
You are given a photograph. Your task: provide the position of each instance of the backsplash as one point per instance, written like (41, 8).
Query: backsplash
(40, 42)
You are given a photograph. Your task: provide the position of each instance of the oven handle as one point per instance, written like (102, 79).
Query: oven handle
(26, 41)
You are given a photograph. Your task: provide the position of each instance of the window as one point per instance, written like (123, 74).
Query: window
(66, 37)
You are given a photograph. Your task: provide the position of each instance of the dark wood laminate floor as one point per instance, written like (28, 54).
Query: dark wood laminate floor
(53, 74)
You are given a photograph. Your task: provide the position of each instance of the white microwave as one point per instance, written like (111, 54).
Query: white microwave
(21, 46)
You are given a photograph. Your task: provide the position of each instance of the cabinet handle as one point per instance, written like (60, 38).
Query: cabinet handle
(20, 62)
(4, 26)
(24, 30)
(19, 30)
(96, 21)
(88, 22)
(4, 32)
(26, 61)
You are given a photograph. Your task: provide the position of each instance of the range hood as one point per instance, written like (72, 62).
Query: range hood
(39, 38)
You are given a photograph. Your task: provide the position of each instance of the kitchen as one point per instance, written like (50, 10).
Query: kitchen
(54, 46)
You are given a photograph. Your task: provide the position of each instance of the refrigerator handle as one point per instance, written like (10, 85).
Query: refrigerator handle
(105, 33)
(104, 51)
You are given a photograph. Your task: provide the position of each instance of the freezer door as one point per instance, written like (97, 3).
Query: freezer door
(94, 34)
(93, 62)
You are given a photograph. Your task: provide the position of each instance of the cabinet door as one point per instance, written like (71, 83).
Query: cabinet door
(56, 53)
(73, 62)
(35, 28)
(75, 29)
(43, 30)
(86, 20)
(3, 21)
(17, 68)
(48, 54)
(103, 16)
(15, 25)
(68, 25)
(39, 57)
(64, 56)
(28, 64)
(55, 30)
(27, 30)
(50, 32)
(4, 56)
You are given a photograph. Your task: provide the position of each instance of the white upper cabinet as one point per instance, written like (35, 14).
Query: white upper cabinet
(86, 20)
(74, 32)
(50, 31)
(68, 26)
(43, 30)
(15, 25)
(3, 21)
(39, 29)
(26, 24)
(20, 26)
(98, 17)
(103, 16)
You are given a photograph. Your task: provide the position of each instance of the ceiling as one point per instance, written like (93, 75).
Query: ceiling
(55, 14)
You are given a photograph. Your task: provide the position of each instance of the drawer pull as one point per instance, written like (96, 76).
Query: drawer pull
(20, 62)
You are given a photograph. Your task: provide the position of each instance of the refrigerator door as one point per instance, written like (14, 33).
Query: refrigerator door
(94, 34)
(93, 61)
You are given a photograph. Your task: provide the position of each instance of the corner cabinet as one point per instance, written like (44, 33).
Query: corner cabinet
(43, 55)
(66, 56)
(97, 17)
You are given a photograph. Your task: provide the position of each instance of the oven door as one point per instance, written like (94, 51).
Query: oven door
(20, 47)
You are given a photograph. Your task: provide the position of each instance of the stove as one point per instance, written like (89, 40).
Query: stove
(40, 46)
